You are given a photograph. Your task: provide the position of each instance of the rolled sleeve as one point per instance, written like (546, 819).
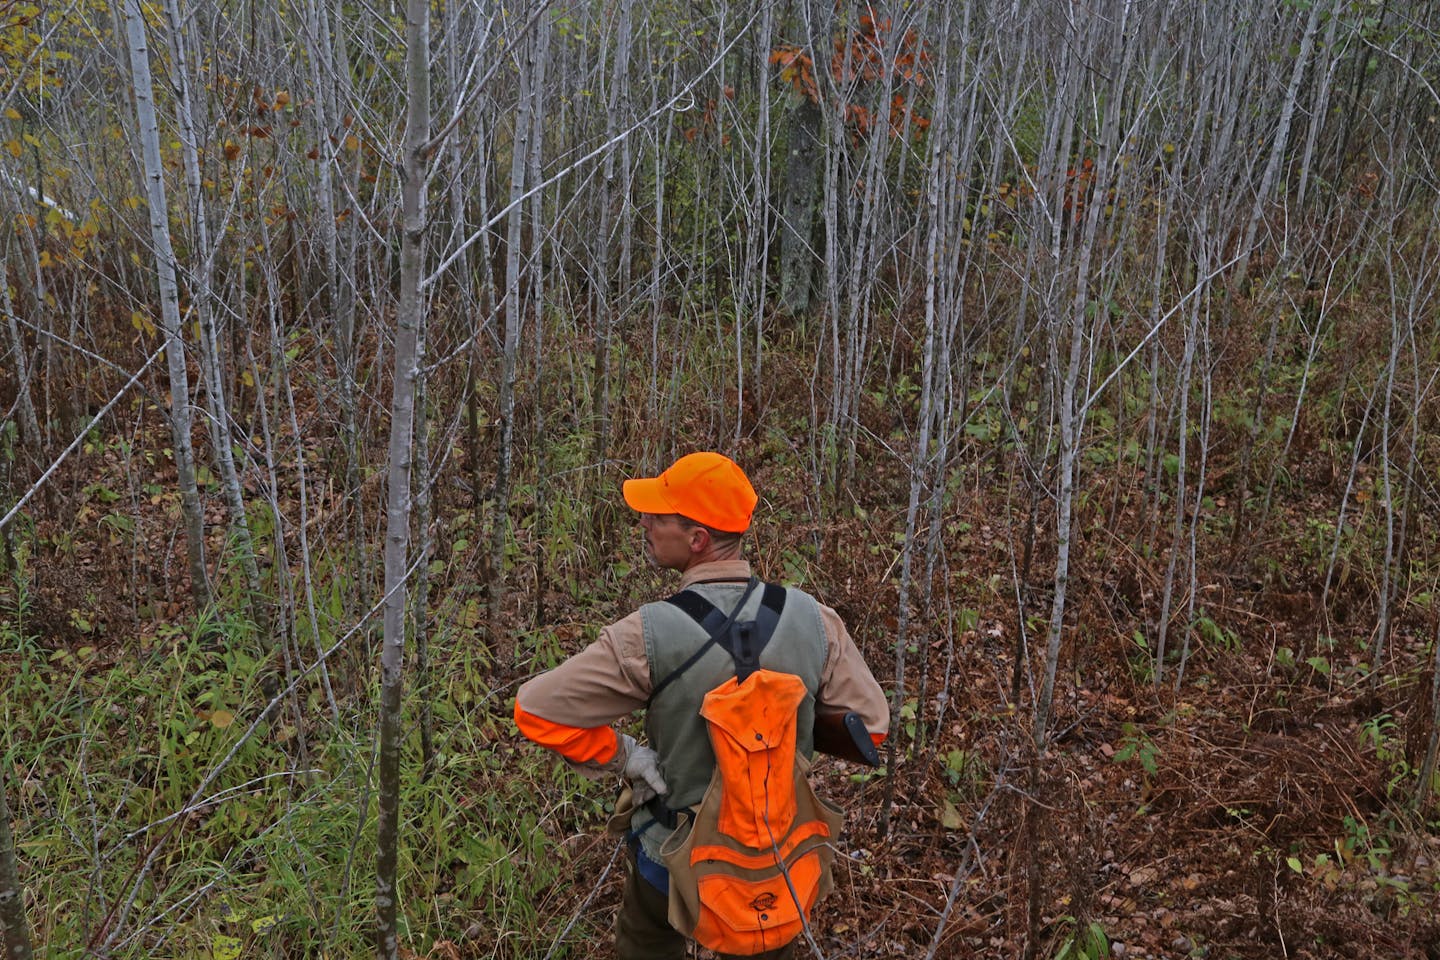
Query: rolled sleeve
(847, 683)
(580, 698)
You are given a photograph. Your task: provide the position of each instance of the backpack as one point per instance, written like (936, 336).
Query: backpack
(757, 853)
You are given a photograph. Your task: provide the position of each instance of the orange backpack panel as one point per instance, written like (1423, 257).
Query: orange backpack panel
(757, 856)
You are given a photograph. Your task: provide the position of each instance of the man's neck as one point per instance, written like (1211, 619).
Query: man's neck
(710, 556)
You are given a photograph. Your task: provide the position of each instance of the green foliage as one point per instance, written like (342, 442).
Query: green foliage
(966, 772)
(271, 857)
(1083, 943)
(797, 561)
(1135, 744)
(1360, 842)
(1383, 735)
(909, 710)
(1212, 634)
(1141, 660)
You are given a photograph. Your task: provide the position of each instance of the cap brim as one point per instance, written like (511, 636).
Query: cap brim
(645, 496)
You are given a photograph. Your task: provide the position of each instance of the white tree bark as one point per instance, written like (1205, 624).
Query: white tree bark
(758, 233)
(410, 321)
(13, 925)
(154, 175)
(29, 423)
(1425, 786)
(922, 462)
(601, 286)
(1085, 307)
(1182, 493)
(1278, 146)
(514, 323)
(201, 293)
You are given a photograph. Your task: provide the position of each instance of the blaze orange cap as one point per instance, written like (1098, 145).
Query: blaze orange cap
(706, 487)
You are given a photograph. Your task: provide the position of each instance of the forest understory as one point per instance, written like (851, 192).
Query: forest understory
(1084, 357)
(1259, 810)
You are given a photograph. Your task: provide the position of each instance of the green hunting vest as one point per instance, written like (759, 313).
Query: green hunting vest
(673, 723)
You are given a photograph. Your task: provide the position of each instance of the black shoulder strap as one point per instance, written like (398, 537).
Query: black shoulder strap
(746, 642)
(700, 610)
(754, 636)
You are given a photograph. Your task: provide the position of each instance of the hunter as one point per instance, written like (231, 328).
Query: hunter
(693, 517)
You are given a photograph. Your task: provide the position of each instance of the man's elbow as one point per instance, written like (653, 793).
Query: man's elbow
(576, 744)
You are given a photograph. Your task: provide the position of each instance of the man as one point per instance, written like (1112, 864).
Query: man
(693, 517)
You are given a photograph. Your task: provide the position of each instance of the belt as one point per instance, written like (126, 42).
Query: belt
(664, 815)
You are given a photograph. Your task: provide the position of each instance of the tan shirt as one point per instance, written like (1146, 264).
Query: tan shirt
(610, 678)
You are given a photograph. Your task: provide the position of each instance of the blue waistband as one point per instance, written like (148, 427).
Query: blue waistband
(653, 873)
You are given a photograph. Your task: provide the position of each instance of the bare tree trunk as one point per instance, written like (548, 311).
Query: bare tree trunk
(1069, 446)
(1063, 381)
(13, 924)
(1207, 406)
(1398, 336)
(1320, 107)
(1355, 456)
(659, 258)
(29, 424)
(537, 299)
(420, 607)
(211, 375)
(1321, 315)
(484, 315)
(958, 95)
(1257, 423)
(1425, 785)
(798, 203)
(1085, 300)
(830, 435)
(410, 323)
(514, 323)
(1182, 493)
(339, 181)
(32, 287)
(921, 464)
(600, 259)
(154, 173)
(1277, 149)
(758, 233)
(285, 388)
(284, 624)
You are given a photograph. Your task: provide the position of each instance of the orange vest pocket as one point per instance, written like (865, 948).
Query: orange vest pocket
(751, 916)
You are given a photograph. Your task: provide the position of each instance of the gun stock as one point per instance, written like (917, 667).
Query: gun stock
(844, 735)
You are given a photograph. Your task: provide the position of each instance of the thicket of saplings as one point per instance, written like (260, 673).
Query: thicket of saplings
(1050, 354)
(112, 726)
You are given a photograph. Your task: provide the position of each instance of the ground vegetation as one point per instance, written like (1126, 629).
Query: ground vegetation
(1084, 358)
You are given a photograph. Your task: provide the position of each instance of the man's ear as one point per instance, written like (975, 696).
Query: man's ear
(699, 539)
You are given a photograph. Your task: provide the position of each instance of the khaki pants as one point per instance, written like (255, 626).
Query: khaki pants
(643, 931)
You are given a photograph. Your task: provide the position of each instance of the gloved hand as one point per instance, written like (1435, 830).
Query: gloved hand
(640, 765)
(642, 768)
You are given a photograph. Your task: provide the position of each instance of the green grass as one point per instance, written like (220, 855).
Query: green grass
(275, 855)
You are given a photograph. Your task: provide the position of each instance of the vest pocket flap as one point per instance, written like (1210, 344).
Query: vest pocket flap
(766, 701)
(755, 905)
(807, 836)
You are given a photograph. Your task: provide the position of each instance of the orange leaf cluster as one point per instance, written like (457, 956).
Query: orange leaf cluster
(1079, 182)
(868, 55)
(708, 122)
(796, 69)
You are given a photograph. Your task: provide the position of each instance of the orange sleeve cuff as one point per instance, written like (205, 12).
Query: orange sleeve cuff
(577, 744)
(877, 738)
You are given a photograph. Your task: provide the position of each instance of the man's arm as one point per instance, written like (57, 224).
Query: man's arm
(569, 709)
(847, 686)
(576, 744)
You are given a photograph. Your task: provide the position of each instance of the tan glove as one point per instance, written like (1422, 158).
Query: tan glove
(642, 769)
(637, 764)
